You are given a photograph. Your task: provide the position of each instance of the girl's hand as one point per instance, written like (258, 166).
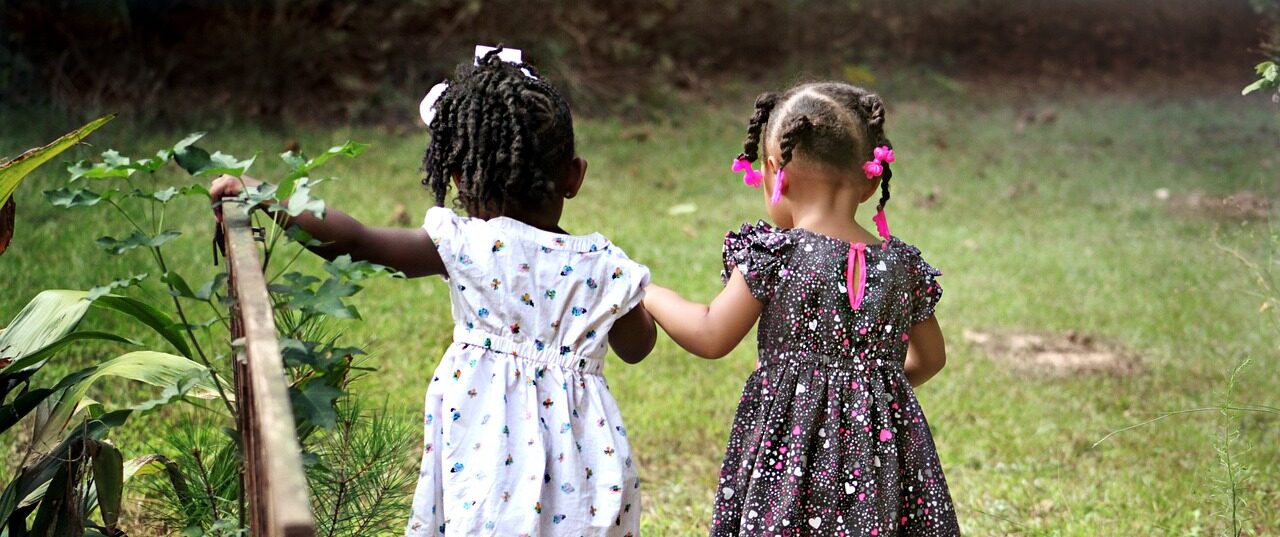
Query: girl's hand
(706, 330)
(227, 186)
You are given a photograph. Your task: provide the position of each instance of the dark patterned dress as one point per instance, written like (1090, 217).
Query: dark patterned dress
(829, 439)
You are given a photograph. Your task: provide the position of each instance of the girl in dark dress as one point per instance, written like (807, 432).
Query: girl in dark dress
(829, 439)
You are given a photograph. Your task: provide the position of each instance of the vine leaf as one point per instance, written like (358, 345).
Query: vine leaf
(137, 239)
(66, 198)
(103, 290)
(313, 403)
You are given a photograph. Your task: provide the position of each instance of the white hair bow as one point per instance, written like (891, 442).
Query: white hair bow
(427, 108)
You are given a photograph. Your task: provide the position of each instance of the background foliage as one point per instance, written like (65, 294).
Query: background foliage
(324, 60)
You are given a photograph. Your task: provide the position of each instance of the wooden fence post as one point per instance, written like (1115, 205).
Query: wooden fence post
(274, 481)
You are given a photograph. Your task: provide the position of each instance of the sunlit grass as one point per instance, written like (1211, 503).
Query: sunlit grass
(1055, 228)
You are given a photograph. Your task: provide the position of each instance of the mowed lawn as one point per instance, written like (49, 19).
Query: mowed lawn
(1054, 227)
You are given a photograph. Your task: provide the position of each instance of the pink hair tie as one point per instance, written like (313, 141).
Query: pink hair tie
(879, 157)
(778, 188)
(750, 176)
(883, 153)
(882, 226)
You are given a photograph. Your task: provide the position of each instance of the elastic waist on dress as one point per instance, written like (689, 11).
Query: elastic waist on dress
(850, 363)
(527, 351)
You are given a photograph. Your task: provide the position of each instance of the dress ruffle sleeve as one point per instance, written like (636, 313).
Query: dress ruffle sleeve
(925, 289)
(759, 252)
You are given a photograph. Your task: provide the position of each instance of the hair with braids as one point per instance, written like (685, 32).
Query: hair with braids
(833, 123)
(507, 138)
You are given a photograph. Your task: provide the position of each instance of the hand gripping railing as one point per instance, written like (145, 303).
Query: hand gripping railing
(274, 482)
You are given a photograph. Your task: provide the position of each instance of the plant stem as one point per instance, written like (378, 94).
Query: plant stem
(186, 325)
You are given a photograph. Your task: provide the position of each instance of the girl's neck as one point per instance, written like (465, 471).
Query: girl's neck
(546, 218)
(829, 208)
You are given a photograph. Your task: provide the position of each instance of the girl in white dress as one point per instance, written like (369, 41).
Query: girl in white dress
(522, 435)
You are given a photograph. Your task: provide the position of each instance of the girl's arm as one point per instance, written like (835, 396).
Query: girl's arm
(633, 335)
(709, 331)
(926, 352)
(410, 251)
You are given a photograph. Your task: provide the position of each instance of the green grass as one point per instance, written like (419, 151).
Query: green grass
(1090, 249)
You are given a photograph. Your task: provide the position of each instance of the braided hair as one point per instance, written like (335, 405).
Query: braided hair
(835, 124)
(507, 137)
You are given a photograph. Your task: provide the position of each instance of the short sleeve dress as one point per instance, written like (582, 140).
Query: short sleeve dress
(522, 436)
(829, 438)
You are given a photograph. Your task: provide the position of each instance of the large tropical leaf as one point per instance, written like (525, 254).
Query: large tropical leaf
(48, 318)
(150, 316)
(14, 171)
(150, 367)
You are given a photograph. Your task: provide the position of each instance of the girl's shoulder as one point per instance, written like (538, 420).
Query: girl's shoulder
(911, 257)
(759, 252)
(760, 236)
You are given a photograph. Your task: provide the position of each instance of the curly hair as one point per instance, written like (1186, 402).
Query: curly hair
(831, 122)
(507, 137)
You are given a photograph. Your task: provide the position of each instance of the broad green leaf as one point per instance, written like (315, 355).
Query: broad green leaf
(303, 166)
(80, 197)
(48, 318)
(165, 195)
(313, 403)
(149, 316)
(221, 163)
(100, 170)
(111, 157)
(343, 267)
(212, 287)
(192, 158)
(183, 144)
(178, 390)
(14, 171)
(177, 285)
(198, 162)
(153, 164)
(108, 482)
(137, 239)
(148, 367)
(300, 236)
(300, 200)
(326, 299)
(37, 359)
(188, 156)
(103, 290)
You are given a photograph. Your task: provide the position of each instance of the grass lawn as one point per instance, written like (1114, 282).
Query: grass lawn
(1054, 227)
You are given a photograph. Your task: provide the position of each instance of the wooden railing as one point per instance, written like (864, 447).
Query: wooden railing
(274, 482)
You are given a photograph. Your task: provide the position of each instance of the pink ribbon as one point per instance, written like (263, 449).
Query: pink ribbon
(879, 157)
(750, 176)
(857, 259)
(882, 226)
(779, 187)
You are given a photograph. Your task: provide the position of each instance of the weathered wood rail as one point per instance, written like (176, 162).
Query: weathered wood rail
(274, 482)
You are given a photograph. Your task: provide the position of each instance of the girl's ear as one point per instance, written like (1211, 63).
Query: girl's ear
(771, 165)
(576, 173)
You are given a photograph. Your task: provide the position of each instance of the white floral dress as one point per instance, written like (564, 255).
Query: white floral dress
(522, 434)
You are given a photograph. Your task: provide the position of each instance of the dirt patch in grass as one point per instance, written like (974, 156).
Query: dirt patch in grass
(1054, 354)
(1243, 205)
